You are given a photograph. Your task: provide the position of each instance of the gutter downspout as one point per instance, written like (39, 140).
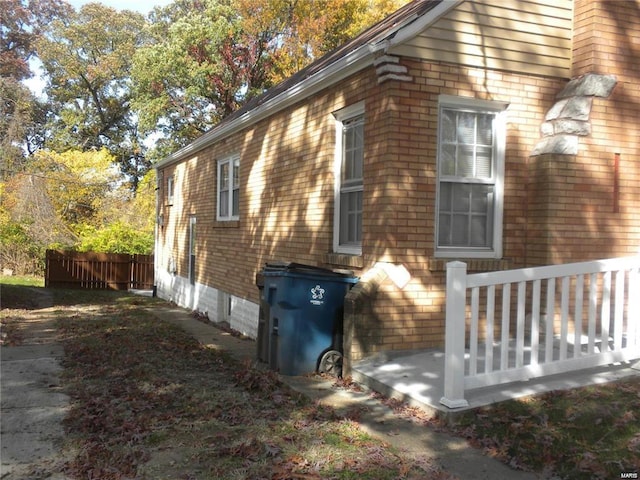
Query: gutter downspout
(156, 233)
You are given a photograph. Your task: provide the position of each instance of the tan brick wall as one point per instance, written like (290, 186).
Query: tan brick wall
(287, 192)
(615, 126)
(590, 213)
(400, 216)
(286, 195)
(555, 210)
(606, 37)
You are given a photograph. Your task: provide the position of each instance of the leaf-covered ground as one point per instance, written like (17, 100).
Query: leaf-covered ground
(586, 433)
(148, 401)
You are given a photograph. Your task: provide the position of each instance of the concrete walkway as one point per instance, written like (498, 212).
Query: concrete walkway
(417, 377)
(415, 440)
(32, 405)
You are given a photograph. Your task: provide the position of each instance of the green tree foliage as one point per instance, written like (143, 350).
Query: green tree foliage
(206, 58)
(126, 221)
(87, 58)
(117, 237)
(195, 70)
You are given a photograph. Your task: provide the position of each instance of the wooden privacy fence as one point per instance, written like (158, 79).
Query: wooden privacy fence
(90, 270)
(519, 324)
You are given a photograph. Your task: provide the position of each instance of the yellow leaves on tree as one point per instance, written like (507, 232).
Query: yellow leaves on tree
(77, 182)
(297, 32)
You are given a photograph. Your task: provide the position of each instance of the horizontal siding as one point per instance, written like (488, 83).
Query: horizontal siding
(530, 37)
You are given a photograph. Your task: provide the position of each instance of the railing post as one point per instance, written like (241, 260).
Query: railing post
(454, 336)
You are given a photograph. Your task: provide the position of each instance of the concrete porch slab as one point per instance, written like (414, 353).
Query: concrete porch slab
(417, 377)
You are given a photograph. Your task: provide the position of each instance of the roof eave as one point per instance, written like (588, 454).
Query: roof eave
(348, 65)
(412, 28)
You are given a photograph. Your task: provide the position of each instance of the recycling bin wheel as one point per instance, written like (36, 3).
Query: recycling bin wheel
(331, 363)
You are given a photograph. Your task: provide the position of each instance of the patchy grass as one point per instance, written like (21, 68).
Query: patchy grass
(586, 433)
(148, 401)
(24, 280)
(18, 291)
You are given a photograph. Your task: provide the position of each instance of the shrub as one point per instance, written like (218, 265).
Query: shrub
(116, 237)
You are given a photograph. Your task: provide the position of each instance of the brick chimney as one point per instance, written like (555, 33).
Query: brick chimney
(606, 39)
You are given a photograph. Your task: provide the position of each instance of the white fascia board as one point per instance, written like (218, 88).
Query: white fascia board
(408, 31)
(346, 66)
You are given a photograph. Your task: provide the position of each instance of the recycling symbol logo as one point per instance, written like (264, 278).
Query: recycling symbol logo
(317, 295)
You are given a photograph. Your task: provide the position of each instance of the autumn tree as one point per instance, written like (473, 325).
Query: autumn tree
(21, 24)
(209, 57)
(73, 200)
(21, 114)
(297, 32)
(196, 70)
(87, 59)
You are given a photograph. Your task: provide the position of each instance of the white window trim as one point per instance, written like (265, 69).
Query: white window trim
(171, 186)
(499, 108)
(340, 117)
(230, 160)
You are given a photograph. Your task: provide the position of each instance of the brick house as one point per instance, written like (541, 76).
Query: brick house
(504, 134)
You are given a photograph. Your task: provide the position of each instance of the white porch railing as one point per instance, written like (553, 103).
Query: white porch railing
(561, 318)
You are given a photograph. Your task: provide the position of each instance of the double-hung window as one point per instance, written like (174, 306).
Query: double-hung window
(349, 166)
(229, 188)
(471, 140)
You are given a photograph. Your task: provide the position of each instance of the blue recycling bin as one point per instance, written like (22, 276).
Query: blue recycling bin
(305, 306)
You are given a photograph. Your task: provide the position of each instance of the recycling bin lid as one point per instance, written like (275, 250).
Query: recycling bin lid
(279, 267)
